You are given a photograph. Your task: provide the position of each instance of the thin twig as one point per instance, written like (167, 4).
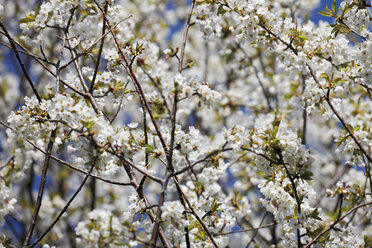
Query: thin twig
(184, 41)
(304, 114)
(201, 160)
(133, 78)
(332, 182)
(65, 207)
(14, 48)
(68, 164)
(351, 133)
(91, 88)
(335, 223)
(264, 90)
(155, 229)
(327, 95)
(256, 230)
(247, 230)
(41, 186)
(204, 226)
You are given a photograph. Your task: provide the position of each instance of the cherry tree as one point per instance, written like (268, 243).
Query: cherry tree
(210, 123)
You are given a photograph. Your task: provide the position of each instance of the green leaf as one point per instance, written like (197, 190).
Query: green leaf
(343, 28)
(229, 57)
(317, 231)
(332, 215)
(315, 214)
(323, 13)
(336, 32)
(61, 147)
(87, 124)
(346, 9)
(127, 224)
(325, 76)
(334, 7)
(200, 236)
(276, 124)
(300, 198)
(149, 148)
(361, 28)
(350, 127)
(28, 18)
(36, 9)
(304, 37)
(221, 10)
(329, 11)
(367, 241)
(338, 80)
(90, 124)
(261, 173)
(307, 175)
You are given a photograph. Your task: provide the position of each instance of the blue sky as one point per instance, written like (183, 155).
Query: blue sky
(315, 17)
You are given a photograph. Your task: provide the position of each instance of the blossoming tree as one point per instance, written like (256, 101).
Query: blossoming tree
(249, 126)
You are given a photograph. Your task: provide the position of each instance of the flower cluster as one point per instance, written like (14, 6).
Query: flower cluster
(247, 125)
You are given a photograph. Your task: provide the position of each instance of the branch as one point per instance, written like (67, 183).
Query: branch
(201, 160)
(332, 182)
(82, 80)
(41, 186)
(68, 164)
(133, 78)
(65, 207)
(156, 228)
(91, 88)
(351, 133)
(247, 230)
(196, 215)
(14, 48)
(334, 223)
(185, 36)
(264, 90)
(327, 95)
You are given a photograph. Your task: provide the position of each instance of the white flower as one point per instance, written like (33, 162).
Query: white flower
(1, 11)
(172, 209)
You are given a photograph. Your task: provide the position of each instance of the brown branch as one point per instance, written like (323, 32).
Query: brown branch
(185, 36)
(141, 194)
(351, 133)
(65, 207)
(133, 77)
(209, 234)
(91, 88)
(42, 63)
(14, 48)
(335, 223)
(201, 160)
(291, 179)
(247, 230)
(82, 80)
(174, 113)
(304, 114)
(289, 45)
(344, 124)
(264, 90)
(41, 187)
(158, 88)
(156, 228)
(256, 231)
(156, 179)
(90, 48)
(120, 105)
(68, 164)
(332, 182)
